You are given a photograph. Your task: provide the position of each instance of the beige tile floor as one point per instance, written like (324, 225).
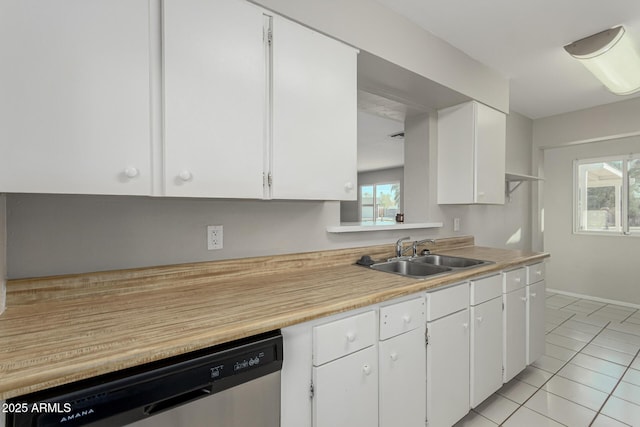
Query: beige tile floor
(589, 375)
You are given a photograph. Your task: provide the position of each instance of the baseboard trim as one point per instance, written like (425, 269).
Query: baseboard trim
(597, 299)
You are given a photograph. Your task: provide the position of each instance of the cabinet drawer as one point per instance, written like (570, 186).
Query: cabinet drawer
(535, 273)
(401, 317)
(447, 301)
(341, 337)
(485, 289)
(514, 279)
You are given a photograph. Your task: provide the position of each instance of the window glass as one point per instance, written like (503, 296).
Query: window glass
(634, 195)
(379, 202)
(600, 191)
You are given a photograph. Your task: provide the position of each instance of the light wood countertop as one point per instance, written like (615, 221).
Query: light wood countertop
(62, 329)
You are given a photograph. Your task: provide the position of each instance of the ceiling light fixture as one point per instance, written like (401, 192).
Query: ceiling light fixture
(612, 57)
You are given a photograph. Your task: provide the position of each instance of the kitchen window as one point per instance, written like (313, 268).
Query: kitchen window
(607, 195)
(379, 202)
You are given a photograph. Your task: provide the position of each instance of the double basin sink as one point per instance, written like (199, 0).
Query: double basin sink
(427, 265)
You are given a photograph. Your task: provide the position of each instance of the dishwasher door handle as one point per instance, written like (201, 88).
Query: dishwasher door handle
(174, 401)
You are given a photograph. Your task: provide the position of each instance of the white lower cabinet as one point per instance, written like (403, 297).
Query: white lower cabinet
(402, 395)
(403, 380)
(346, 391)
(514, 323)
(486, 339)
(448, 357)
(536, 288)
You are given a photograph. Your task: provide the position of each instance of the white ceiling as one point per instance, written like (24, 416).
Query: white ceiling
(524, 42)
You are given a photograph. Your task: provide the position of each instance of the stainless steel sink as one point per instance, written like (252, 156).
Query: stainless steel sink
(448, 261)
(410, 268)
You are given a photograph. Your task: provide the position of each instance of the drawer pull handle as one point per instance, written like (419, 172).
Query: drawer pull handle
(523, 298)
(479, 319)
(406, 318)
(465, 325)
(366, 369)
(394, 356)
(539, 272)
(517, 280)
(351, 337)
(533, 295)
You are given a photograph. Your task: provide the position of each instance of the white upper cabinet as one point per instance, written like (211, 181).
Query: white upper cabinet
(314, 103)
(74, 109)
(471, 154)
(214, 98)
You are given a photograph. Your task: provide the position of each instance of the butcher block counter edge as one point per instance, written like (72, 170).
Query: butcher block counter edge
(62, 329)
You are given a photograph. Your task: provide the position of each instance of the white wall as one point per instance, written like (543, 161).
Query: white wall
(370, 26)
(600, 266)
(583, 134)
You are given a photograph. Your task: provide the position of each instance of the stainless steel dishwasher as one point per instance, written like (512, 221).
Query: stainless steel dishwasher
(232, 385)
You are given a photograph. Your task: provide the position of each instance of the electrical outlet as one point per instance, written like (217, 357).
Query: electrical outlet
(456, 224)
(214, 237)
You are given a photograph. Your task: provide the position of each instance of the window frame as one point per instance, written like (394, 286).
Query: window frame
(374, 185)
(624, 196)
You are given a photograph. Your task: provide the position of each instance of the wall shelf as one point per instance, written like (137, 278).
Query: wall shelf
(353, 227)
(517, 179)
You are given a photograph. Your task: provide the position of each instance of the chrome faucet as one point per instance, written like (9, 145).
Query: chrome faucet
(399, 250)
(421, 242)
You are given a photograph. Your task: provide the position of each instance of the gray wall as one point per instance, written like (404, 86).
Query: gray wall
(58, 234)
(585, 133)
(501, 226)
(600, 266)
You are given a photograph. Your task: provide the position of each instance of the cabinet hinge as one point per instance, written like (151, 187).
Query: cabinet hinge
(269, 36)
(269, 179)
(312, 391)
(426, 336)
(502, 305)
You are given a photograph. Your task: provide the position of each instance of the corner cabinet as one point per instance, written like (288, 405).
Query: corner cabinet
(471, 154)
(75, 104)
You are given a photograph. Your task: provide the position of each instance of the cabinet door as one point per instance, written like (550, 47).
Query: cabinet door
(314, 150)
(515, 333)
(535, 321)
(403, 385)
(486, 350)
(346, 391)
(448, 369)
(75, 103)
(214, 100)
(489, 155)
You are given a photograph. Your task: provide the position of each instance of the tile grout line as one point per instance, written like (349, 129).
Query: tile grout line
(614, 389)
(554, 374)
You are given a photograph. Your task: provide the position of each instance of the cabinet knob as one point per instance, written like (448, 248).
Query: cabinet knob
(517, 279)
(479, 318)
(394, 356)
(351, 336)
(366, 369)
(465, 325)
(539, 272)
(185, 175)
(523, 298)
(481, 193)
(533, 294)
(348, 186)
(131, 172)
(407, 318)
